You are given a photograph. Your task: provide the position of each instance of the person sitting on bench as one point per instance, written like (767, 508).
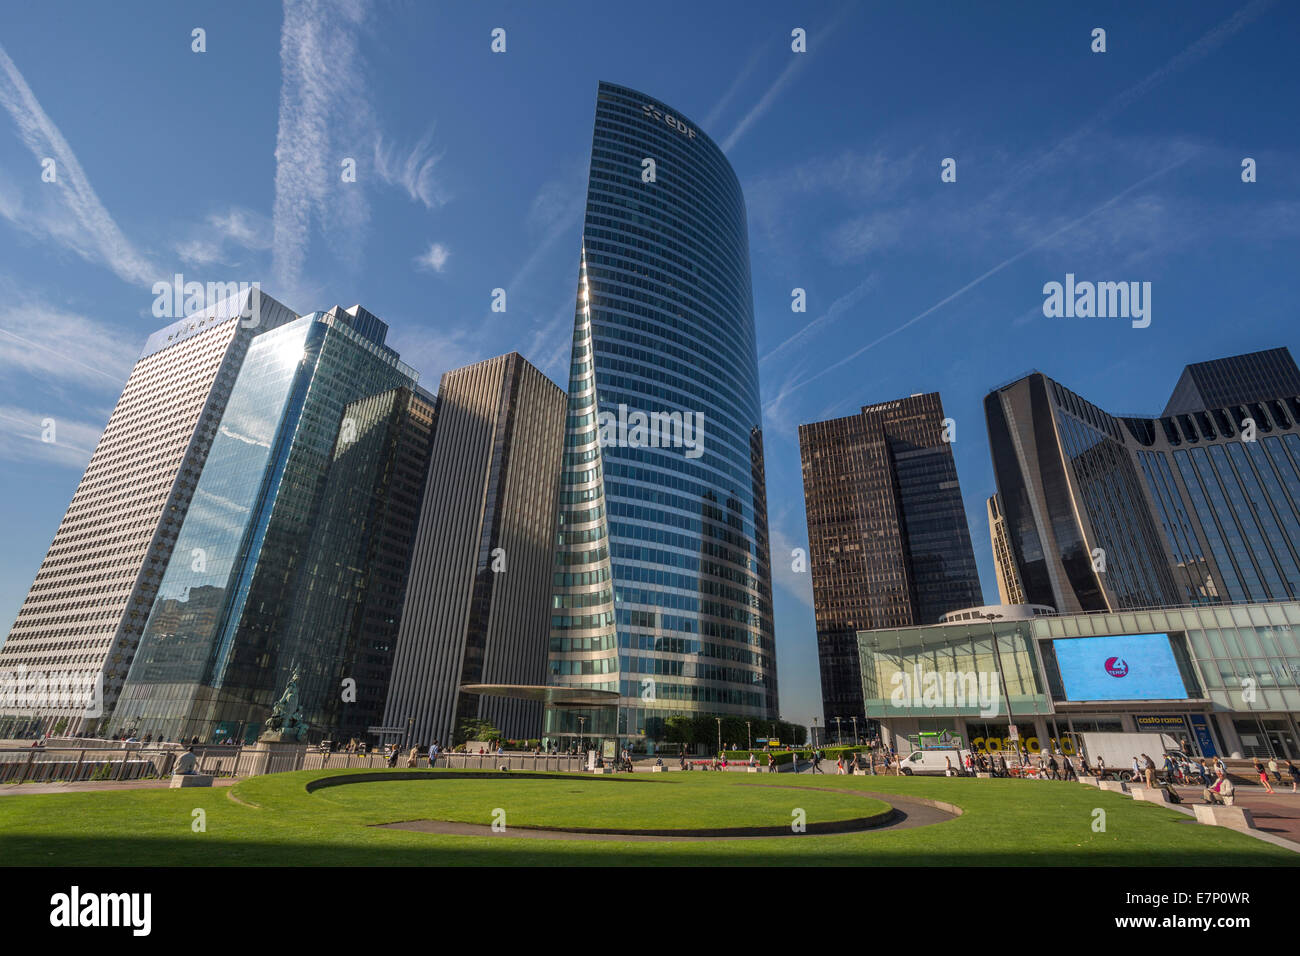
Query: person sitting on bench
(1220, 792)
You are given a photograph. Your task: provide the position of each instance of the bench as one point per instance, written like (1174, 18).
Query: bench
(1236, 818)
(190, 780)
(1150, 794)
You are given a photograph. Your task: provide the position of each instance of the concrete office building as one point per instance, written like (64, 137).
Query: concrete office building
(887, 533)
(85, 612)
(272, 576)
(476, 605)
(663, 585)
(1010, 590)
(1224, 680)
(1197, 507)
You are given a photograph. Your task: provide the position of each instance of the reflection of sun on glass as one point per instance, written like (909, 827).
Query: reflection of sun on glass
(289, 352)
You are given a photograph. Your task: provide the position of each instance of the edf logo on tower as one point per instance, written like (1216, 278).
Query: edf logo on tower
(670, 120)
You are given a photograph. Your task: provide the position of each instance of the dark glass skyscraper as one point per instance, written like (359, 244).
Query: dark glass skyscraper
(1201, 506)
(887, 530)
(662, 584)
(1237, 380)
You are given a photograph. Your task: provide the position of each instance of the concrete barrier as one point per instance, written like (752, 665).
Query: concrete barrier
(1090, 781)
(603, 770)
(190, 780)
(1151, 794)
(1118, 786)
(984, 776)
(1236, 818)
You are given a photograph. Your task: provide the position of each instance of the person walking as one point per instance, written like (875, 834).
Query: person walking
(1294, 773)
(816, 762)
(1149, 771)
(1272, 768)
(1263, 777)
(771, 762)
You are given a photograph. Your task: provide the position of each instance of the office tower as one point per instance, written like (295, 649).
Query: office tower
(480, 582)
(1191, 508)
(361, 545)
(1238, 380)
(887, 532)
(256, 549)
(92, 594)
(663, 587)
(1010, 590)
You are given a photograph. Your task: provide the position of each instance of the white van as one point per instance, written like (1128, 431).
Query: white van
(932, 762)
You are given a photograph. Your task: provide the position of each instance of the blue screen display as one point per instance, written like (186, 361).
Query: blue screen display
(1119, 667)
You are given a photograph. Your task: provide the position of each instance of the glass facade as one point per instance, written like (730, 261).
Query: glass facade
(1239, 665)
(244, 601)
(1236, 380)
(1193, 508)
(662, 585)
(887, 532)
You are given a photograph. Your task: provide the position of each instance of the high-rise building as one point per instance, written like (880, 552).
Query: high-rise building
(360, 551)
(87, 607)
(1236, 380)
(476, 608)
(663, 586)
(887, 533)
(269, 569)
(1010, 590)
(1196, 507)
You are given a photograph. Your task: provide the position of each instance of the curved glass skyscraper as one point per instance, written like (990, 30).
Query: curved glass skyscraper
(662, 584)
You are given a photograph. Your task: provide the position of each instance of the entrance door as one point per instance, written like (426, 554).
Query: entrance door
(1280, 738)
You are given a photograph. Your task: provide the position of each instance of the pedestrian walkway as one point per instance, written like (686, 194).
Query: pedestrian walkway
(86, 786)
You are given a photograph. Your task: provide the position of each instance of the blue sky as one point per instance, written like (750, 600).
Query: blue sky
(471, 165)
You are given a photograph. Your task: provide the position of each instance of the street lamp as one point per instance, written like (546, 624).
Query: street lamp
(1002, 677)
(582, 723)
(839, 737)
(749, 737)
(854, 718)
(719, 720)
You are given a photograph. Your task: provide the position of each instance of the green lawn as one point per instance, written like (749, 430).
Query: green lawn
(279, 823)
(624, 803)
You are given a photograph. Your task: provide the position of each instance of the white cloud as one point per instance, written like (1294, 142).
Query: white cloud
(54, 344)
(22, 433)
(82, 224)
(236, 227)
(324, 113)
(432, 351)
(435, 259)
(412, 171)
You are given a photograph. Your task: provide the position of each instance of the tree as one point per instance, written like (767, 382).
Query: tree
(679, 729)
(472, 728)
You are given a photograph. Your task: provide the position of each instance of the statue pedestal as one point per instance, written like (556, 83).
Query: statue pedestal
(191, 780)
(273, 755)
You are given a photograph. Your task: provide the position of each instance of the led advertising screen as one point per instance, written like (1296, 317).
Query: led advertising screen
(1119, 667)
